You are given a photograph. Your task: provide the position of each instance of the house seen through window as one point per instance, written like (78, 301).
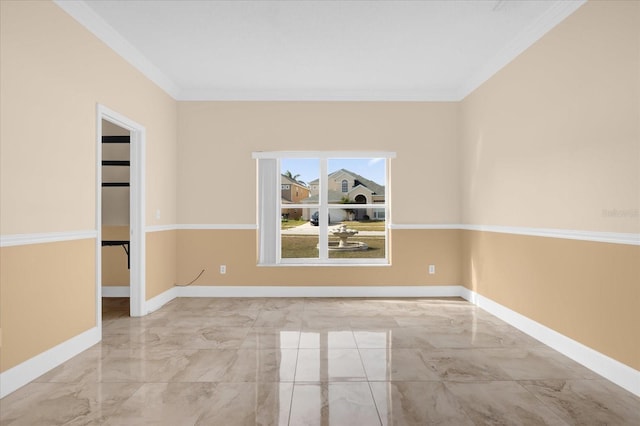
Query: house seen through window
(330, 209)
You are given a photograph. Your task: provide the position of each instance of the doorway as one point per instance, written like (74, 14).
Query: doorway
(120, 245)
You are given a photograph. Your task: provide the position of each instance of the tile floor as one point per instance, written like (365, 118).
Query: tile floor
(355, 362)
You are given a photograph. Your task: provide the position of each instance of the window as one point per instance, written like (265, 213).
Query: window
(335, 228)
(345, 185)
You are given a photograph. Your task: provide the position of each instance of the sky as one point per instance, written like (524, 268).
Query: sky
(308, 169)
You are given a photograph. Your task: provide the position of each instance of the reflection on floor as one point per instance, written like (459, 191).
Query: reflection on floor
(290, 361)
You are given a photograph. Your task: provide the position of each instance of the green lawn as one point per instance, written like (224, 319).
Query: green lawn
(292, 223)
(304, 246)
(362, 225)
(365, 225)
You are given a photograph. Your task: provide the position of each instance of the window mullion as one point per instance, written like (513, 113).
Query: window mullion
(278, 215)
(323, 241)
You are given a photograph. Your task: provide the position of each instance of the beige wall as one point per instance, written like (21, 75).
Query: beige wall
(412, 250)
(217, 139)
(550, 141)
(586, 290)
(553, 141)
(161, 262)
(216, 142)
(47, 296)
(53, 73)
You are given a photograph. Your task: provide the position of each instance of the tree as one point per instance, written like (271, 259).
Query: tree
(293, 177)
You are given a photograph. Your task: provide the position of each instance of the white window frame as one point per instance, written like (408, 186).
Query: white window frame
(270, 207)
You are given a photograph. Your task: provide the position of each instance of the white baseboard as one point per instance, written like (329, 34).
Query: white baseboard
(116, 291)
(319, 291)
(23, 373)
(614, 371)
(160, 300)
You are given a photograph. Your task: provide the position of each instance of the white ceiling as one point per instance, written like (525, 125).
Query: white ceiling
(319, 50)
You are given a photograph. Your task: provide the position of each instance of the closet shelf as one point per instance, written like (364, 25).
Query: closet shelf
(116, 139)
(114, 184)
(116, 163)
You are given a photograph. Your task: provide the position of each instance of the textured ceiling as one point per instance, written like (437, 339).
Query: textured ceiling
(315, 50)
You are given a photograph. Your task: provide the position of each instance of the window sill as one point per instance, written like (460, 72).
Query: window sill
(323, 265)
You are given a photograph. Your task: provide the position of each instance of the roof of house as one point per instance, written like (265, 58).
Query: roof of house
(285, 179)
(374, 187)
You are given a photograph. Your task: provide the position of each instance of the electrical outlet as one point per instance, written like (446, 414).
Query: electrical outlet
(432, 269)
(223, 269)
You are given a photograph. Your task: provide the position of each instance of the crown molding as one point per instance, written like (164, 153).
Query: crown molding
(319, 95)
(82, 13)
(527, 37)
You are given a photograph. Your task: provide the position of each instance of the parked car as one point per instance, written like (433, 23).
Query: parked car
(315, 219)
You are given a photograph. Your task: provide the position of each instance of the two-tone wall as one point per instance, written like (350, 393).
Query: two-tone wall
(551, 145)
(539, 166)
(53, 75)
(548, 146)
(217, 185)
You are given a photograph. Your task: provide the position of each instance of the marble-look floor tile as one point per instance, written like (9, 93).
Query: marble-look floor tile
(373, 339)
(326, 365)
(261, 365)
(396, 364)
(194, 365)
(248, 404)
(502, 403)
(217, 338)
(146, 339)
(325, 321)
(130, 326)
(232, 320)
(587, 402)
(271, 338)
(166, 404)
(236, 361)
(397, 338)
(327, 339)
(221, 319)
(108, 366)
(335, 404)
(289, 320)
(417, 403)
(464, 365)
(69, 404)
(536, 363)
(281, 304)
(477, 336)
(429, 319)
(227, 365)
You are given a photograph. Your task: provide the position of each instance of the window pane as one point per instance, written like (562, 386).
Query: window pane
(354, 234)
(360, 180)
(298, 238)
(299, 180)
